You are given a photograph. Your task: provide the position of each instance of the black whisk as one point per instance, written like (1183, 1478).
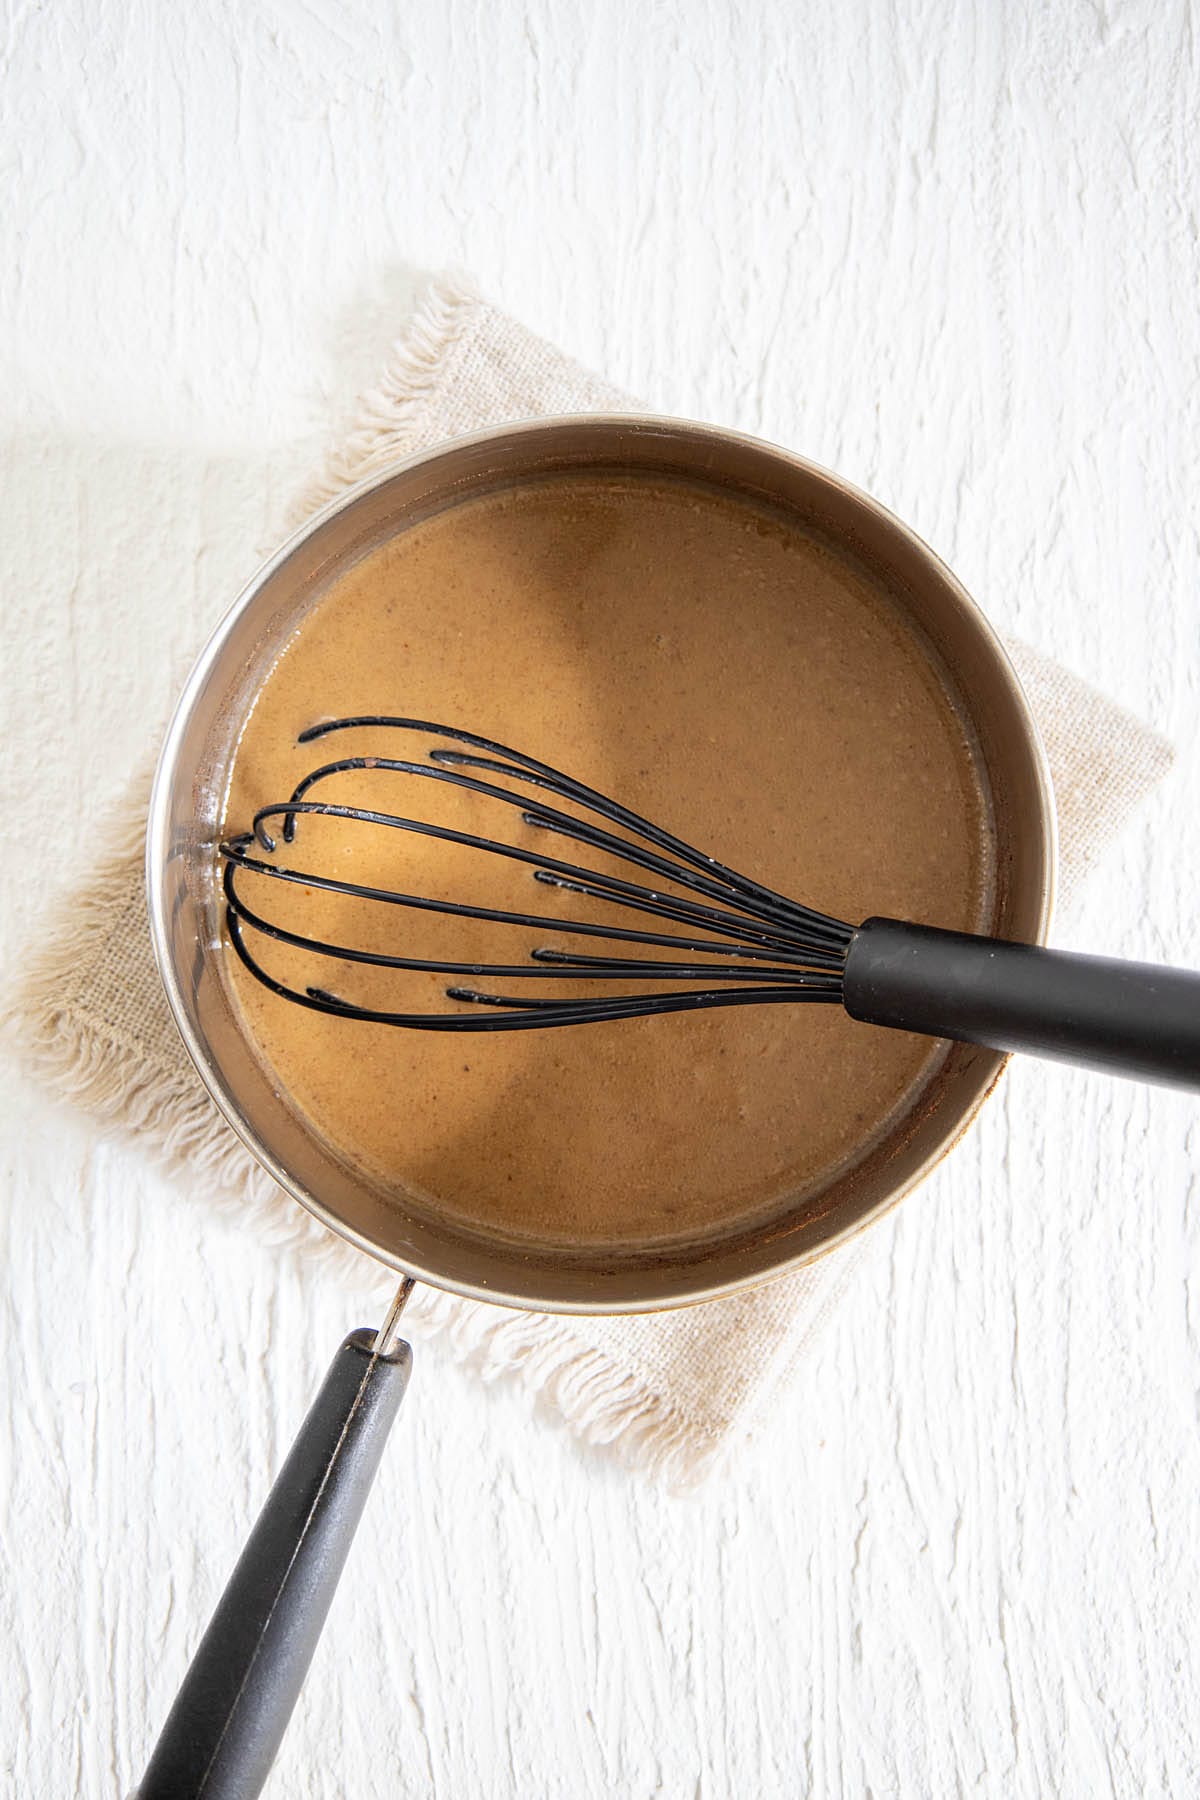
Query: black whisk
(755, 946)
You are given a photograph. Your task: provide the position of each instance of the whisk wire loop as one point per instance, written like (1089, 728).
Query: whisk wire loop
(744, 922)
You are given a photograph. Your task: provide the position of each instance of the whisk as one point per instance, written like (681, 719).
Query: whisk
(735, 942)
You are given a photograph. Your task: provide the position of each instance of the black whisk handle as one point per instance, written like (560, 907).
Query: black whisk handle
(1126, 1018)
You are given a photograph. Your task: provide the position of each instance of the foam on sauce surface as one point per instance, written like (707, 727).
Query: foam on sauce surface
(719, 670)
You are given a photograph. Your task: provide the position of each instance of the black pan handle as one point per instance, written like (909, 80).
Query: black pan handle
(1124, 1017)
(222, 1733)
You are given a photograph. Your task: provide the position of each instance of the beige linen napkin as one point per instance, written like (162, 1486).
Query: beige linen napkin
(94, 1017)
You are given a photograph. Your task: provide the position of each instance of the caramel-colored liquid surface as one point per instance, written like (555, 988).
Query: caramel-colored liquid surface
(720, 671)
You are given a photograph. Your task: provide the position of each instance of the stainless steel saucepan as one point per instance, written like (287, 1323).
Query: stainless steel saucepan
(222, 1734)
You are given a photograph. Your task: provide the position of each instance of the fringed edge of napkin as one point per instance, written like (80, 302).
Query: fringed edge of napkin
(602, 1404)
(417, 364)
(115, 1080)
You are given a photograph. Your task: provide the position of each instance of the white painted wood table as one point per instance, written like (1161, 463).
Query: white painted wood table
(951, 251)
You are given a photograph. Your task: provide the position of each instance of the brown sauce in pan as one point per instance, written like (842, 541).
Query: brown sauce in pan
(719, 670)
